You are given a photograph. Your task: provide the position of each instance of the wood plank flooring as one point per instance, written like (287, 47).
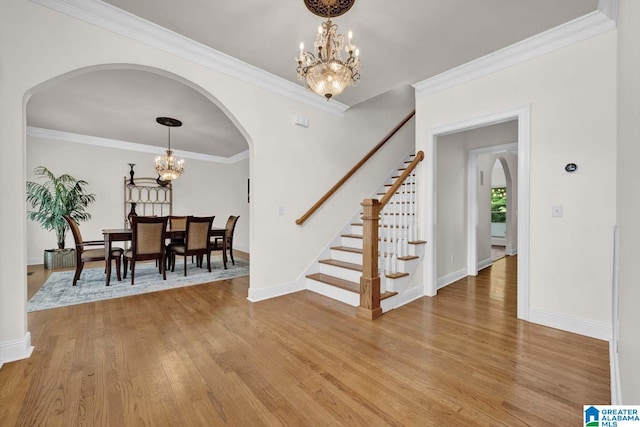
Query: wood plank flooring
(205, 356)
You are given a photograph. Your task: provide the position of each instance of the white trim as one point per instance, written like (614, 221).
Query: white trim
(129, 146)
(126, 24)
(429, 176)
(577, 325)
(561, 36)
(35, 261)
(473, 266)
(333, 292)
(484, 263)
(13, 350)
(609, 8)
(448, 279)
(616, 388)
(405, 298)
(614, 370)
(261, 294)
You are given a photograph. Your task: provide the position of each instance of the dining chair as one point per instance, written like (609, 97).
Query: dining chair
(196, 242)
(175, 223)
(83, 254)
(147, 243)
(216, 244)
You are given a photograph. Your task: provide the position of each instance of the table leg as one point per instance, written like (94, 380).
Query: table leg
(107, 256)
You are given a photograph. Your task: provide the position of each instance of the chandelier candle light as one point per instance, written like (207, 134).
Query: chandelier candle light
(167, 166)
(324, 72)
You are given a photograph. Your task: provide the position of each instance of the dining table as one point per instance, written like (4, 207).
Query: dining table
(125, 235)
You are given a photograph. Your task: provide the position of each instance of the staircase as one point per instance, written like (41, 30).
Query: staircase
(338, 276)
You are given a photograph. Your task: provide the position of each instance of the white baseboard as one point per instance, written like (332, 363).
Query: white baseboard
(261, 294)
(484, 263)
(410, 295)
(447, 279)
(241, 249)
(616, 391)
(10, 351)
(577, 325)
(35, 261)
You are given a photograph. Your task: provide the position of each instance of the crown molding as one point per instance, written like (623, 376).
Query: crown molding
(128, 146)
(579, 29)
(111, 18)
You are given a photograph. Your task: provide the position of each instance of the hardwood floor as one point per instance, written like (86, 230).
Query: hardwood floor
(203, 355)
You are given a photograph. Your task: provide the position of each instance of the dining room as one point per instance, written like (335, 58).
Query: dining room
(79, 127)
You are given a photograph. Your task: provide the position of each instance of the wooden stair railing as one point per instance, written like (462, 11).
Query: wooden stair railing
(369, 307)
(351, 172)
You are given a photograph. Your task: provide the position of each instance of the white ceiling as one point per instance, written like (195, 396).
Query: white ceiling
(401, 42)
(123, 105)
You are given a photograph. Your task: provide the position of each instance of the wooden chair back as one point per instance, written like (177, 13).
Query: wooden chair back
(177, 222)
(231, 225)
(148, 236)
(198, 230)
(75, 230)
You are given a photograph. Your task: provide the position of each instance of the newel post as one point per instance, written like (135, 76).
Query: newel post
(370, 281)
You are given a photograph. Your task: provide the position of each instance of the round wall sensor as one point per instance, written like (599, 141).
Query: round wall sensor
(571, 167)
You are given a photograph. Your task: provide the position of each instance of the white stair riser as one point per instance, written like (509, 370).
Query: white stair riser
(351, 242)
(339, 294)
(342, 273)
(404, 266)
(346, 256)
(396, 284)
(356, 229)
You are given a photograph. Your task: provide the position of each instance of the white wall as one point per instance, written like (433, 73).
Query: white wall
(628, 201)
(206, 188)
(452, 169)
(572, 97)
(290, 166)
(498, 178)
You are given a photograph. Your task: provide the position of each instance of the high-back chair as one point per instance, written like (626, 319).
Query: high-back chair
(83, 254)
(177, 222)
(196, 242)
(147, 243)
(216, 244)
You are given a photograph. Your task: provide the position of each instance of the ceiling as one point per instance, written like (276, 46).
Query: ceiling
(401, 43)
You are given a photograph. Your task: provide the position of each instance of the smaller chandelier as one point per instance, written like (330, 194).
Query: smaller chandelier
(167, 166)
(325, 73)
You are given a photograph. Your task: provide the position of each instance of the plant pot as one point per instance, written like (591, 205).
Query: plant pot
(59, 258)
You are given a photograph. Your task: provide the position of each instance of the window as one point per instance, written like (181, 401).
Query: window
(498, 211)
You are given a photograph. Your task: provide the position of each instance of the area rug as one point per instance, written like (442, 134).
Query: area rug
(58, 291)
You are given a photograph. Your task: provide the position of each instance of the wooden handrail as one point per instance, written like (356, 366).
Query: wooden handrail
(391, 191)
(353, 170)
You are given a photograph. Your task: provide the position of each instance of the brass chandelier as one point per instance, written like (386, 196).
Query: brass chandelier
(324, 72)
(167, 166)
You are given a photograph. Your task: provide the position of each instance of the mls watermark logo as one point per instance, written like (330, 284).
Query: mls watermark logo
(611, 415)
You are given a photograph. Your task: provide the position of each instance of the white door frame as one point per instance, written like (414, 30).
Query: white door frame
(472, 201)
(428, 195)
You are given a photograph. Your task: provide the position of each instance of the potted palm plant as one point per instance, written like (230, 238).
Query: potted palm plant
(51, 199)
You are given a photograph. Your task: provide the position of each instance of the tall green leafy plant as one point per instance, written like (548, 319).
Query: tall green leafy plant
(55, 197)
